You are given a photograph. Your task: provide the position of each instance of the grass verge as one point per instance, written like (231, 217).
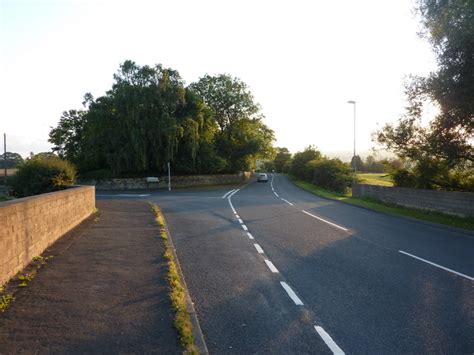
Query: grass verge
(182, 320)
(376, 205)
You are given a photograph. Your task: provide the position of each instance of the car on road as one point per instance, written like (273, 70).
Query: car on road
(262, 178)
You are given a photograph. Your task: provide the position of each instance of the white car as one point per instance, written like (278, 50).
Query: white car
(262, 178)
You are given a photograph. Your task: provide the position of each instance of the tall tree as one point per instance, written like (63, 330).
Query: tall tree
(446, 144)
(282, 157)
(242, 136)
(12, 160)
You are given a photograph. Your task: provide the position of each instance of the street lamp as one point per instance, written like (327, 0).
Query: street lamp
(354, 159)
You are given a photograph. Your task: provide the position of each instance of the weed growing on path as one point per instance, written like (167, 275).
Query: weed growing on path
(177, 294)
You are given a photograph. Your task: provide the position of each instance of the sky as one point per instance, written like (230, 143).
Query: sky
(302, 59)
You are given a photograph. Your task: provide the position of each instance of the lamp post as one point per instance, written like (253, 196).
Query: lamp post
(354, 160)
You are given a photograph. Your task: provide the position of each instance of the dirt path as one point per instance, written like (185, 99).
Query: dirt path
(103, 292)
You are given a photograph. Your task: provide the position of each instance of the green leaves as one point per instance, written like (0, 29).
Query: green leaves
(149, 118)
(443, 149)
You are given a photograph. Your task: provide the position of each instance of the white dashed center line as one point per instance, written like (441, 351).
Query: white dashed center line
(271, 266)
(291, 293)
(336, 350)
(259, 248)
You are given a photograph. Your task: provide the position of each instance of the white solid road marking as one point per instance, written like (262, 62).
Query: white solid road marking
(230, 202)
(228, 193)
(439, 266)
(240, 221)
(336, 350)
(259, 248)
(244, 227)
(276, 194)
(250, 235)
(271, 266)
(126, 195)
(288, 202)
(291, 293)
(325, 221)
(237, 216)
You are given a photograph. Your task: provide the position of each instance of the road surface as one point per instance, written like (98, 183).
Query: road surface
(274, 269)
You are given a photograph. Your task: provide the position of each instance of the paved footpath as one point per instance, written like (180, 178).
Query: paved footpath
(103, 292)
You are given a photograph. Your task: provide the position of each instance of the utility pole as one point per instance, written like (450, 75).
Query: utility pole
(169, 177)
(354, 156)
(5, 156)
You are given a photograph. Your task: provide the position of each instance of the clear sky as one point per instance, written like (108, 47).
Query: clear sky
(303, 60)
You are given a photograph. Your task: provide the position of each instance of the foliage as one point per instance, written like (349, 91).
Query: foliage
(309, 165)
(357, 162)
(372, 165)
(445, 145)
(299, 162)
(149, 118)
(332, 174)
(403, 178)
(242, 136)
(41, 174)
(10, 160)
(282, 157)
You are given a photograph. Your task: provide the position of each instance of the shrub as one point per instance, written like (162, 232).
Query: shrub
(332, 174)
(41, 174)
(403, 178)
(299, 162)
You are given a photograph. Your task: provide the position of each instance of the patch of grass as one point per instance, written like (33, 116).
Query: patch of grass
(392, 209)
(182, 319)
(96, 212)
(8, 290)
(26, 278)
(5, 301)
(381, 179)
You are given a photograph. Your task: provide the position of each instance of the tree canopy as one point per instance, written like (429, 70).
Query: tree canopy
(443, 149)
(149, 117)
(10, 160)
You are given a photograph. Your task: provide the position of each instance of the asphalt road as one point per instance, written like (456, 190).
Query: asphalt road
(274, 269)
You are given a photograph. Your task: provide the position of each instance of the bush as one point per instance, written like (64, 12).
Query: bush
(403, 178)
(332, 174)
(299, 167)
(42, 174)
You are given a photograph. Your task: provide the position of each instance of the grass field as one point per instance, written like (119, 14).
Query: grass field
(375, 179)
(10, 172)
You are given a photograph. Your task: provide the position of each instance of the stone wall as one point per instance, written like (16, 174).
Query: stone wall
(176, 182)
(449, 202)
(29, 225)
